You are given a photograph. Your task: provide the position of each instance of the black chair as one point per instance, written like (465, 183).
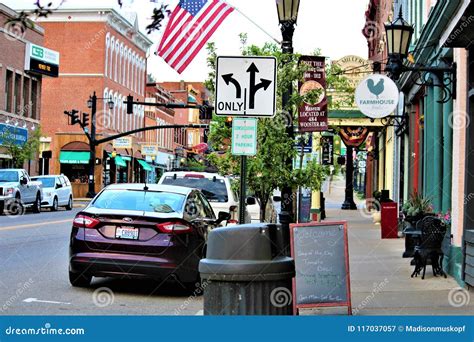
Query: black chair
(429, 247)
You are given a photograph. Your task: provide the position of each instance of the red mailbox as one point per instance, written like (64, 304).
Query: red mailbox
(389, 220)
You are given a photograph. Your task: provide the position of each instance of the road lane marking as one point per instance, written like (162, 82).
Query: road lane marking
(36, 300)
(32, 225)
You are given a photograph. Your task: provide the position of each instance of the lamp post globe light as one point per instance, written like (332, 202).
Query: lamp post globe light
(287, 16)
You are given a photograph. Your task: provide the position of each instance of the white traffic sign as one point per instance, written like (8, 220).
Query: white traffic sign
(246, 86)
(244, 136)
(377, 96)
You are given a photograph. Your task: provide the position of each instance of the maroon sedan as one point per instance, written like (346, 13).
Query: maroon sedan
(141, 231)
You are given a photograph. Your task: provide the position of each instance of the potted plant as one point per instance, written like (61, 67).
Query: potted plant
(416, 208)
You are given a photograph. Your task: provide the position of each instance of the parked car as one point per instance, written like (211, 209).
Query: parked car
(141, 231)
(253, 207)
(57, 191)
(215, 187)
(18, 190)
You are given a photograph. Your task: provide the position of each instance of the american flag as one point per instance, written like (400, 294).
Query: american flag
(190, 26)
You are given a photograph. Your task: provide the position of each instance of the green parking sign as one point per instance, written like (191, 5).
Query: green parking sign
(244, 136)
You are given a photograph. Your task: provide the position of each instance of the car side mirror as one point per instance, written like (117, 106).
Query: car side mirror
(222, 216)
(23, 181)
(277, 198)
(251, 201)
(59, 186)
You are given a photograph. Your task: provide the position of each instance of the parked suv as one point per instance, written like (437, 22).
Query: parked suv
(17, 190)
(215, 187)
(57, 192)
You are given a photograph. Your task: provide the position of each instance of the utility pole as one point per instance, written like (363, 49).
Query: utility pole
(92, 145)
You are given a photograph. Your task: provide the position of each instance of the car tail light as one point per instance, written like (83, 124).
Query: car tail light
(174, 227)
(193, 175)
(83, 221)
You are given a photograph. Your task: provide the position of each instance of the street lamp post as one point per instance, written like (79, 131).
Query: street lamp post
(287, 15)
(92, 105)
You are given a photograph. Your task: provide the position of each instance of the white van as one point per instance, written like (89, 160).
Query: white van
(215, 187)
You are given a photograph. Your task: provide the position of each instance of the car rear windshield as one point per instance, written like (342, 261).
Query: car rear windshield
(149, 201)
(8, 176)
(214, 190)
(49, 182)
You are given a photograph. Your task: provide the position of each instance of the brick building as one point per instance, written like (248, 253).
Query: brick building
(103, 52)
(192, 93)
(166, 140)
(20, 100)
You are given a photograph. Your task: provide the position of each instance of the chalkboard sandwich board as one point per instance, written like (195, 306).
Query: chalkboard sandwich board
(321, 255)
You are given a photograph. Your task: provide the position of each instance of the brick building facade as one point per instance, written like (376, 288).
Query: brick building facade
(20, 100)
(103, 52)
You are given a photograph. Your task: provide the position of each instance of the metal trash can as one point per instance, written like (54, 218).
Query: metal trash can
(245, 271)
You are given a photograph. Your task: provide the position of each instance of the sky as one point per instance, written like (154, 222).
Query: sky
(334, 26)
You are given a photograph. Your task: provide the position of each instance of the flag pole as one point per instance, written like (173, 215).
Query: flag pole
(257, 25)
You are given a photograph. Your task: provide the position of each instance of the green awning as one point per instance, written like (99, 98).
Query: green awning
(126, 158)
(119, 160)
(145, 165)
(74, 157)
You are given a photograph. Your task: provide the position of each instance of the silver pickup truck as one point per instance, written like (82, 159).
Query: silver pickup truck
(16, 188)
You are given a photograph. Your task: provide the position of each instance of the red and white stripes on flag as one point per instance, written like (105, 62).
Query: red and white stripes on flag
(190, 26)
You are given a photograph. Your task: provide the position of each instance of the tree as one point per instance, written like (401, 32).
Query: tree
(268, 168)
(21, 153)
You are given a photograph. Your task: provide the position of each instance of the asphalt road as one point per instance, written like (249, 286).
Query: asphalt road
(34, 276)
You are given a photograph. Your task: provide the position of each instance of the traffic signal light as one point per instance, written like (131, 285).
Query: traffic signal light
(74, 117)
(129, 104)
(85, 119)
(205, 111)
(228, 121)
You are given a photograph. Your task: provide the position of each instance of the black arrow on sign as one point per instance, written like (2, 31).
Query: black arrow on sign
(229, 79)
(255, 87)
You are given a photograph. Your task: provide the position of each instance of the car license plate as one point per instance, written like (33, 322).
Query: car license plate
(126, 233)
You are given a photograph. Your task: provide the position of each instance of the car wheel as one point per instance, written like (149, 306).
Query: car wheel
(55, 204)
(69, 204)
(37, 204)
(79, 279)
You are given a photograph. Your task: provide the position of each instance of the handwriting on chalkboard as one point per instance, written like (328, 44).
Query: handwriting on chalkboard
(321, 264)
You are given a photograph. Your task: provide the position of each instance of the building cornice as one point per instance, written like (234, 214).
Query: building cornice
(108, 16)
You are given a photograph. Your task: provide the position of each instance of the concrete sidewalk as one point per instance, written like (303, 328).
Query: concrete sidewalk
(380, 277)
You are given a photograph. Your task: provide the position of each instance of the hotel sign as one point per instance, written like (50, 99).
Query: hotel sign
(40, 60)
(377, 96)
